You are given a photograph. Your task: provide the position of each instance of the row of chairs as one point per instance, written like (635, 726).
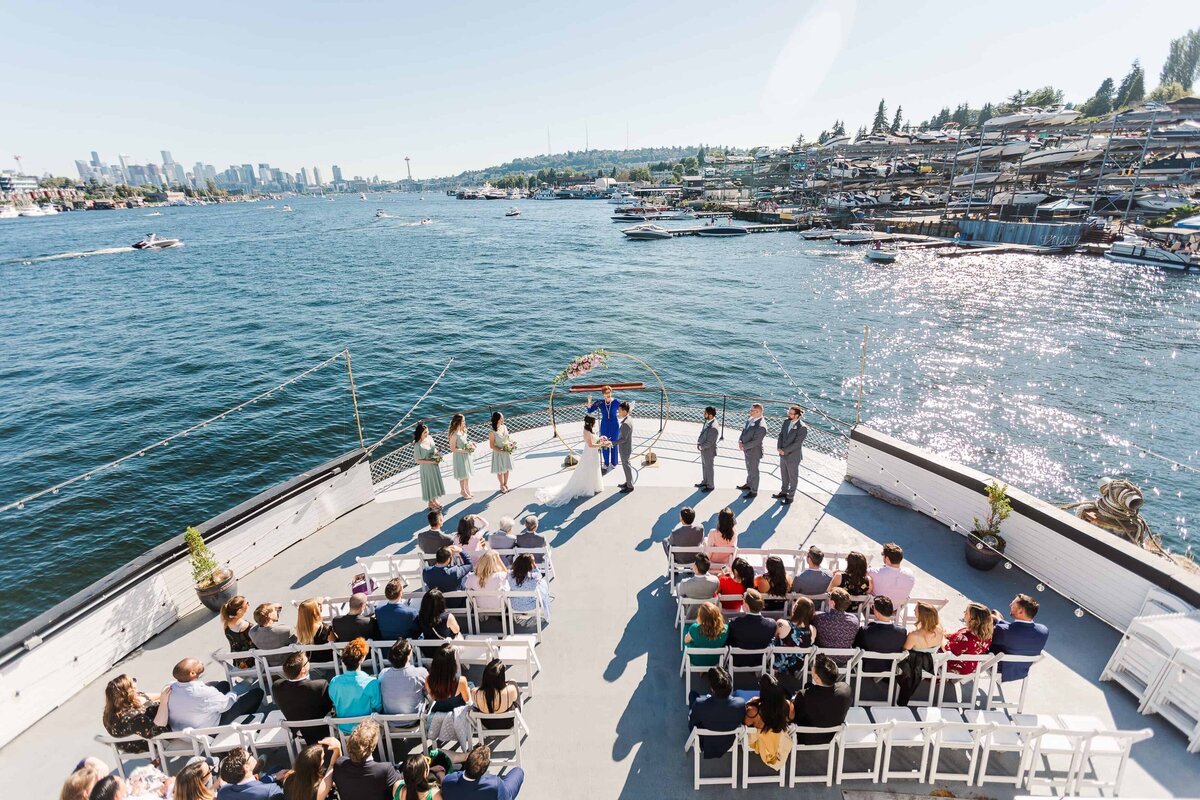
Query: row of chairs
(978, 736)
(517, 652)
(864, 669)
(259, 733)
(383, 567)
(793, 559)
(686, 607)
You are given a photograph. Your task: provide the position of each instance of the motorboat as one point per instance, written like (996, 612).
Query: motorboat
(49, 209)
(858, 233)
(619, 197)
(362, 196)
(646, 232)
(818, 233)
(881, 254)
(9, 212)
(31, 211)
(983, 178)
(287, 208)
(1064, 154)
(154, 214)
(153, 242)
(513, 212)
(1163, 201)
(425, 221)
(681, 213)
(722, 230)
(1013, 118)
(1141, 251)
(1019, 198)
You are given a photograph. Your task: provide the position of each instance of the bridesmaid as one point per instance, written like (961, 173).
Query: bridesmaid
(425, 453)
(461, 446)
(501, 459)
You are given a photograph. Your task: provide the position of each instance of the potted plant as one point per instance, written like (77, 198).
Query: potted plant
(985, 546)
(215, 585)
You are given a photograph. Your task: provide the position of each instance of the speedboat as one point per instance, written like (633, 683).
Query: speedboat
(425, 221)
(1064, 154)
(513, 212)
(820, 232)
(381, 214)
(9, 212)
(287, 208)
(154, 214)
(152, 242)
(881, 254)
(1019, 198)
(619, 197)
(48, 210)
(362, 196)
(645, 232)
(722, 230)
(31, 211)
(1163, 201)
(1140, 251)
(855, 234)
(683, 213)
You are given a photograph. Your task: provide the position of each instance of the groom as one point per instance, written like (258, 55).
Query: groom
(609, 424)
(625, 446)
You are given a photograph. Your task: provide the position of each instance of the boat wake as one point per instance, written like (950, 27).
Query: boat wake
(104, 251)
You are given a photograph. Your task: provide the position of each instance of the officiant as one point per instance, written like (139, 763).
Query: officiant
(610, 424)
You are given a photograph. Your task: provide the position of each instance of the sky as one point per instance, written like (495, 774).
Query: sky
(462, 85)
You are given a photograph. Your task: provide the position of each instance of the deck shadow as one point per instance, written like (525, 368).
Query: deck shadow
(401, 531)
(660, 531)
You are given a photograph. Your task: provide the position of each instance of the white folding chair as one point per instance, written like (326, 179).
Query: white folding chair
(1105, 743)
(121, 756)
(677, 568)
(293, 728)
(948, 679)
(483, 604)
(1054, 742)
(518, 652)
(494, 737)
(693, 744)
(802, 669)
(399, 728)
(860, 733)
(175, 744)
(687, 668)
(1177, 697)
(270, 734)
(953, 733)
(1001, 735)
(524, 617)
(755, 662)
(780, 776)
(903, 731)
(995, 694)
(846, 659)
(335, 729)
(799, 747)
(908, 612)
(233, 673)
(686, 609)
(883, 672)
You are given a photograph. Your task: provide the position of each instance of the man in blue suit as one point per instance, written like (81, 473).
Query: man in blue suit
(396, 619)
(474, 780)
(751, 631)
(445, 577)
(717, 712)
(1020, 637)
(239, 781)
(610, 425)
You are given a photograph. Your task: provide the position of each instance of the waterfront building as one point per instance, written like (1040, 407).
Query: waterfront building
(317, 176)
(166, 157)
(84, 169)
(337, 174)
(11, 181)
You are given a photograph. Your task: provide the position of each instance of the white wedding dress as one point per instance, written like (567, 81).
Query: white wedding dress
(586, 480)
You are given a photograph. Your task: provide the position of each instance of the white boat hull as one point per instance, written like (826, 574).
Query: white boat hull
(1150, 256)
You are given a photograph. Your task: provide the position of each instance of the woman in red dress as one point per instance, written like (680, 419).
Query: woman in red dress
(973, 639)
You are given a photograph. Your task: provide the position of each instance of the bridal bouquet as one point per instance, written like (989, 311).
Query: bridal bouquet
(604, 443)
(582, 366)
(509, 447)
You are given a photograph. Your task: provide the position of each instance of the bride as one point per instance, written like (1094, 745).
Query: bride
(587, 479)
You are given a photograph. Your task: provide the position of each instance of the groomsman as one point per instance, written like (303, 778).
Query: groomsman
(789, 443)
(707, 445)
(751, 444)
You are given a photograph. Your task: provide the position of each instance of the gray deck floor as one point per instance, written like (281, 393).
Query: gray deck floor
(608, 718)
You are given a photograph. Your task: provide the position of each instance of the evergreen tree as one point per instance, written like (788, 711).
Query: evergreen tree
(1133, 87)
(1018, 99)
(898, 119)
(1101, 102)
(1183, 60)
(839, 128)
(986, 113)
(880, 123)
(1166, 92)
(700, 154)
(1045, 96)
(862, 133)
(962, 115)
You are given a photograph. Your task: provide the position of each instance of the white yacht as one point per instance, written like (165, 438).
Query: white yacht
(819, 233)
(1163, 201)
(647, 232)
(1063, 154)
(545, 193)
(9, 212)
(49, 209)
(620, 197)
(1013, 118)
(721, 231)
(31, 211)
(1140, 251)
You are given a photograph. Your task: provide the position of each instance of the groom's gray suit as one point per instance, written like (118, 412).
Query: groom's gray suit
(752, 448)
(790, 441)
(706, 443)
(625, 449)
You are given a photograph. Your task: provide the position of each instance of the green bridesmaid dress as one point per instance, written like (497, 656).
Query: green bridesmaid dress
(431, 474)
(462, 461)
(501, 461)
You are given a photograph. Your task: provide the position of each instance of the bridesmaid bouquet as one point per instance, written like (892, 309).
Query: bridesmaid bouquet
(510, 446)
(469, 447)
(435, 457)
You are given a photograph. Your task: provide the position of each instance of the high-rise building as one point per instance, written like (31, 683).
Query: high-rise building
(264, 172)
(95, 159)
(248, 175)
(166, 157)
(337, 174)
(124, 159)
(85, 170)
(303, 177)
(317, 176)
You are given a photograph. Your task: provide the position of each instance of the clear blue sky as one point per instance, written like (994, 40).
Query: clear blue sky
(461, 85)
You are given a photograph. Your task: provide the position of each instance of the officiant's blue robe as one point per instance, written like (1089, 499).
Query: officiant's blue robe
(610, 427)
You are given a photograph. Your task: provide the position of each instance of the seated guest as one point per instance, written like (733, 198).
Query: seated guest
(441, 575)
(1020, 637)
(824, 703)
(774, 582)
(768, 715)
(237, 629)
(496, 695)
(923, 641)
(238, 781)
(794, 632)
(192, 704)
(434, 538)
(300, 697)
(708, 631)
(311, 628)
(110, 787)
(973, 639)
(472, 529)
(489, 575)
(854, 578)
(686, 534)
(358, 776)
(129, 712)
(356, 623)
(892, 580)
(701, 586)
(402, 685)
(434, 620)
(79, 784)
(503, 538)
(418, 783)
(476, 781)
(395, 619)
(354, 693)
(813, 579)
(722, 537)
(718, 711)
(268, 634)
(449, 695)
(836, 627)
(311, 777)
(530, 539)
(735, 579)
(881, 635)
(525, 577)
(751, 631)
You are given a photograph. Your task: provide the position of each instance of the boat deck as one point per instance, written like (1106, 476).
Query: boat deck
(608, 718)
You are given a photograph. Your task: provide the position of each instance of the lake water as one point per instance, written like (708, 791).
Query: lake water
(1034, 368)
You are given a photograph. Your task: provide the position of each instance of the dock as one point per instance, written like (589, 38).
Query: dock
(695, 231)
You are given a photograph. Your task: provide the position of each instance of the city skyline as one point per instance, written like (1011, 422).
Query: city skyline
(468, 87)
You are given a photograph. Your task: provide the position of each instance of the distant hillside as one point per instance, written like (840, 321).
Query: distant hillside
(585, 161)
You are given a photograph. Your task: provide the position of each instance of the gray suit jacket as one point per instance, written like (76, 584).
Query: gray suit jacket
(752, 437)
(791, 437)
(625, 439)
(707, 440)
